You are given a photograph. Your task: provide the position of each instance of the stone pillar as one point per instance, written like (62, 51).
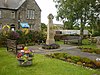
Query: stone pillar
(50, 30)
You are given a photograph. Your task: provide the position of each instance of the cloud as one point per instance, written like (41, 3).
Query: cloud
(47, 7)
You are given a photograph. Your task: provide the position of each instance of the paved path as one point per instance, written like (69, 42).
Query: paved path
(72, 50)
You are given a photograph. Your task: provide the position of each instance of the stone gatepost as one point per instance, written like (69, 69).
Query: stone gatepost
(50, 30)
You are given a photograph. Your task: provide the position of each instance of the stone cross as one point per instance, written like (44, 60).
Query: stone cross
(50, 30)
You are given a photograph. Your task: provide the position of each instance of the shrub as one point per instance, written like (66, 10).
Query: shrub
(62, 56)
(90, 50)
(65, 55)
(55, 55)
(59, 56)
(58, 37)
(32, 36)
(96, 33)
(39, 37)
(86, 60)
(97, 64)
(3, 39)
(22, 37)
(13, 35)
(69, 60)
(79, 63)
(97, 51)
(75, 59)
(89, 65)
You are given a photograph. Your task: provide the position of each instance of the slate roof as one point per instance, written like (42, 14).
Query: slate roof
(11, 4)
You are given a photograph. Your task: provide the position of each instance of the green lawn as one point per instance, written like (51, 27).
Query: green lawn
(41, 66)
(93, 46)
(85, 42)
(60, 42)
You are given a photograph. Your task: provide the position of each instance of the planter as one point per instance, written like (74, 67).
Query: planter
(23, 63)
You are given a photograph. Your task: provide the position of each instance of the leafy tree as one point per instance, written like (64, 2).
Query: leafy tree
(68, 25)
(43, 27)
(76, 27)
(79, 11)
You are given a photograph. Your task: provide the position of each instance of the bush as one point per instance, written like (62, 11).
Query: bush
(62, 56)
(3, 39)
(31, 37)
(21, 39)
(39, 37)
(13, 35)
(58, 37)
(86, 60)
(69, 60)
(97, 64)
(97, 51)
(75, 59)
(96, 33)
(91, 50)
(79, 63)
(58, 55)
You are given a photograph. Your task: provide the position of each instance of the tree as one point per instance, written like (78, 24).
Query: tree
(78, 11)
(68, 25)
(43, 27)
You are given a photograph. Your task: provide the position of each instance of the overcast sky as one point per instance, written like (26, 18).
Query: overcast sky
(47, 7)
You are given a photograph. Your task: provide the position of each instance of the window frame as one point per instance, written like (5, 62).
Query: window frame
(30, 14)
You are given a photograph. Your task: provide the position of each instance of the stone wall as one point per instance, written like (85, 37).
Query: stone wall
(21, 14)
(6, 17)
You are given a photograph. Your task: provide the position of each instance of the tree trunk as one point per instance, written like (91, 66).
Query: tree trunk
(98, 42)
(81, 31)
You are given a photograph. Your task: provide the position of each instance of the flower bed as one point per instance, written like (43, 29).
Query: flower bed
(76, 60)
(90, 50)
(51, 46)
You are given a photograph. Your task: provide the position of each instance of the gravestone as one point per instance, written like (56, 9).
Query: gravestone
(50, 30)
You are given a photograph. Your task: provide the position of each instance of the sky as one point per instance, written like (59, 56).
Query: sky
(47, 7)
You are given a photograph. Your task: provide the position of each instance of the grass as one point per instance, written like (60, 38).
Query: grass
(60, 42)
(93, 46)
(41, 66)
(87, 44)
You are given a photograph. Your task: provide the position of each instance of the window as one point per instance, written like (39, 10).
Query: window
(30, 14)
(13, 15)
(0, 14)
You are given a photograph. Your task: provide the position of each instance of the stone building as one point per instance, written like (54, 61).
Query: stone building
(15, 12)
